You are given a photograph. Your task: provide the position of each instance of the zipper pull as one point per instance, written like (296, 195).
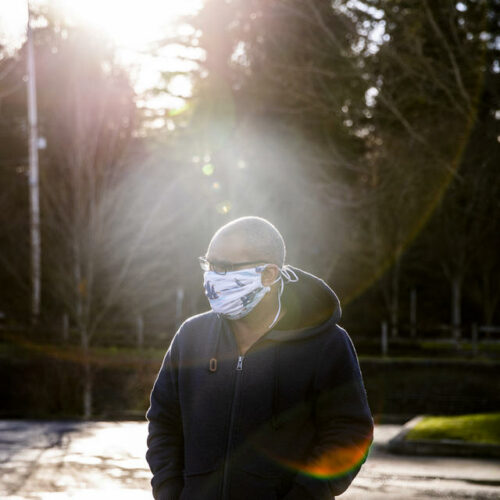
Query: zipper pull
(239, 367)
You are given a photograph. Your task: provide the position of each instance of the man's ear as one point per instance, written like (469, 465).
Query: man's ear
(270, 274)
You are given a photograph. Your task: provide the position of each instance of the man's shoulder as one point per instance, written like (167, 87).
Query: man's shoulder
(199, 319)
(339, 342)
(334, 338)
(204, 321)
(196, 334)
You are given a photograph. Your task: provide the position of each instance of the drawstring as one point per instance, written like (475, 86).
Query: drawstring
(288, 272)
(291, 277)
(212, 365)
(279, 305)
(275, 406)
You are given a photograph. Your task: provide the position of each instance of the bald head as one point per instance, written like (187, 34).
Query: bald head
(247, 239)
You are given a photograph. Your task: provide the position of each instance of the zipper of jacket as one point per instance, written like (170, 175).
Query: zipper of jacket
(239, 370)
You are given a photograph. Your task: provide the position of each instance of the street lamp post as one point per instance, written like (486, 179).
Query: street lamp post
(33, 179)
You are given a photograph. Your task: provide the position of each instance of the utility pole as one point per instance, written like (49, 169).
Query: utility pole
(33, 179)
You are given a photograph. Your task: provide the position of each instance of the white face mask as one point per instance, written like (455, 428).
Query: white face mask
(236, 293)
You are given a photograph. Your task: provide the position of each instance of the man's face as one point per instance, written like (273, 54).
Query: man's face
(230, 252)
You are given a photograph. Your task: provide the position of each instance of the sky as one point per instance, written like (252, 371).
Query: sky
(133, 25)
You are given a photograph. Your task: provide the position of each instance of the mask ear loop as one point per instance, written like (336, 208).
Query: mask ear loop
(287, 273)
(279, 303)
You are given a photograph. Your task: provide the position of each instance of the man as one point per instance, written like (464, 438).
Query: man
(261, 398)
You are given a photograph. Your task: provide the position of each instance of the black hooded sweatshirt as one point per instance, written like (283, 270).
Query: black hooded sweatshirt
(288, 420)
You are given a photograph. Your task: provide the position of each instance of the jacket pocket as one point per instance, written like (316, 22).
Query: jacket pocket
(250, 483)
(261, 469)
(201, 485)
(265, 480)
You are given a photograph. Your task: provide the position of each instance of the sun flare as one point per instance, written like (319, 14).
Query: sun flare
(129, 23)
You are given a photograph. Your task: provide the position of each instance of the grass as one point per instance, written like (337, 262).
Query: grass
(27, 350)
(476, 428)
(463, 345)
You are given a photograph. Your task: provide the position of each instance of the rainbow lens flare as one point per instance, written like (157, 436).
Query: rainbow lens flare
(333, 462)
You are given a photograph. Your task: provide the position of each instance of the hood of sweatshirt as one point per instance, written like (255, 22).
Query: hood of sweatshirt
(310, 307)
(310, 304)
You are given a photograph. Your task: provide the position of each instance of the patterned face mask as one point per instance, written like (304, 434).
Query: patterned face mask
(236, 293)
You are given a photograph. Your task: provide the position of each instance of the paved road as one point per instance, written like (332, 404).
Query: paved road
(105, 460)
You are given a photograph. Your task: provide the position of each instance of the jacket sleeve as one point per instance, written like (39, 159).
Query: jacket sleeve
(165, 453)
(343, 421)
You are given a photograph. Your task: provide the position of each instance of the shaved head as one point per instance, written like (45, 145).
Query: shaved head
(248, 239)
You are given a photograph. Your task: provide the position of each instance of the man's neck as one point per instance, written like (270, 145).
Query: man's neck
(252, 327)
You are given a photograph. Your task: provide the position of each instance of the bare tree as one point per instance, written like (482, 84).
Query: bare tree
(14, 235)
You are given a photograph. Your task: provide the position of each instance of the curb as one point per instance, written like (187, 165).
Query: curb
(438, 447)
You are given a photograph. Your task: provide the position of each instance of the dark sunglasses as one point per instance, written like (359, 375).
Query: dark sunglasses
(223, 267)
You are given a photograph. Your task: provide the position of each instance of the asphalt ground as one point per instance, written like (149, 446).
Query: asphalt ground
(56, 460)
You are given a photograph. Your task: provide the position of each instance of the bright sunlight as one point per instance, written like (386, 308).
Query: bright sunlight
(130, 23)
(134, 26)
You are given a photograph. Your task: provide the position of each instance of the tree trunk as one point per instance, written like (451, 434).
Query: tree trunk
(384, 340)
(395, 298)
(140, 331)
(413, 313)
(84, 334)
(489, 298)
(34, 197)
(456, 306)
(65, 328)
(179, 304)
(87, 376)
